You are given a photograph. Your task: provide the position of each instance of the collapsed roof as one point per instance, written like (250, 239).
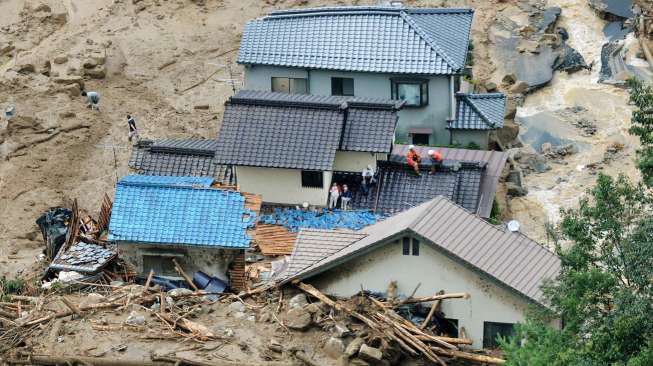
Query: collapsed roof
(179, 157)
(361, 38)
(510, 258)
(279, 130)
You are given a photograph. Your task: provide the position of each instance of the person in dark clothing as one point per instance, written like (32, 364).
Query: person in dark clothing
(133, 131)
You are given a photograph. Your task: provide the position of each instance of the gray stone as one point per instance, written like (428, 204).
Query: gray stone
(297, 301)
(334, 348)
(61, 59)
(570, 60)
(370, 354)
(353, 347)
(520, 87)
(514, 190)
(228, 332)
(135, 318)
(490, 86)
(298, 318)
(340, 330)
(99, 72)
(236, 307)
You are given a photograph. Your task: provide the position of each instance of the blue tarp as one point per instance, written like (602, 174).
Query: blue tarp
(294, 219)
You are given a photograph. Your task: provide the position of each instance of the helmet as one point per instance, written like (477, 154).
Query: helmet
(410, 147)
(431, 152)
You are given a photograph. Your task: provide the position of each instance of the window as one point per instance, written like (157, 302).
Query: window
(162, 265)
(289, 85)
(414, 91)
(415, 247)
(312, 179)
(409, 244)
(492, 330)
(342, 86)
(421, 138)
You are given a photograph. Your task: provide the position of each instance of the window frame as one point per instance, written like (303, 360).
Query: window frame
(342, 88)
(490, 340)
(289, 83)
(406, 245)
(428, 138)
(414, 247)
(423, 90)
(305, 179)
(160, 258)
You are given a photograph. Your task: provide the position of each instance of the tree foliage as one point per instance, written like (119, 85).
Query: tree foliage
(604, 292)
(642, 126)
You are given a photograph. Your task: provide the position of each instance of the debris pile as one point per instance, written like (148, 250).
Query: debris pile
(295, 219)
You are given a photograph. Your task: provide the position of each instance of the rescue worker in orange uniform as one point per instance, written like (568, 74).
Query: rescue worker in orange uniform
(436, 160)
(413, 159)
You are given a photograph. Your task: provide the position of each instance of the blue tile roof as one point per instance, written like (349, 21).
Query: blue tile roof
(368, 39)
(179, 211)
(479, 111)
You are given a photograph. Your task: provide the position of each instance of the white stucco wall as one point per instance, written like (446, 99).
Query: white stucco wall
(375, 85)
(374, 271)
(353, 161)
(463, 138)
(281, 185)
(212, 261)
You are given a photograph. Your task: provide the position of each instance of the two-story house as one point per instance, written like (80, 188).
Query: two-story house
(388, 52)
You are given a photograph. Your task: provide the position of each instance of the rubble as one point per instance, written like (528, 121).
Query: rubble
(298, 318)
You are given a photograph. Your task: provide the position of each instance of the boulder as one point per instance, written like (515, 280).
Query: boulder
(514, 190)
(508, 133)
(236, 307)
(340, 330)
(298, 319)
(520, 87)
(25, 67)
(490, 86)
(89, 63)
(70, 79)
(297, 301)
(334, 347)
(99, 72)
(99, 57)
(370, 354)
(72, 89)
(60, 59)
(353, 347)
(509, 79)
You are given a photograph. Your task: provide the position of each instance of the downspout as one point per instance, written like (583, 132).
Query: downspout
(308, 81)
(452, 106)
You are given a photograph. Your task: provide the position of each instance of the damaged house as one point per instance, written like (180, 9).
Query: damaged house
(417, 55)
(157, 220)
(443, 247)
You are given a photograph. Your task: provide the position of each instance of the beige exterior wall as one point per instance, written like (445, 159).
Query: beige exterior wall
(282, 186)
(374, 271)
(212, 261)
(353, 161)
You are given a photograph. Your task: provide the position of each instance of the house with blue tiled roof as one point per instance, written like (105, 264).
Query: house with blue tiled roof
(417, 55)
(156, 219)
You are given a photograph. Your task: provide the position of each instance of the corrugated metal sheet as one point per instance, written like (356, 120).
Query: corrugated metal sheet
(368, 39)
(510, 258)
(495, 161)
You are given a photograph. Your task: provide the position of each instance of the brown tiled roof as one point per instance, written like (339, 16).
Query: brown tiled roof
(510, 258)
(494, 160)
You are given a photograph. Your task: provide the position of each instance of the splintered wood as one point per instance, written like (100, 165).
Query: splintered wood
(274, 240)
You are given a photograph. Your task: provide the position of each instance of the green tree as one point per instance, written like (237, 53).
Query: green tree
(604, 292)
(642, 126)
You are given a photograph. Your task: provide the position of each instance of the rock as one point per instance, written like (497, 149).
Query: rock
(43, 7)
(340, 330)
(298, 318)
(509, 79)
(72, 89)
(515, 191)
(297, 301)
(490, 86)
(570, 60)
(92, 299)
(135, 318)
(60, 59)
(314, 308)
(520, 87)
(545, 148)
(59, 18)
(25, 68)
(370, 354)
(98, 72)
(180, 292)
(353, 347)
(89, 63)
(236, 306)
(117, 283)
(614, 8)
(334, 347)
(515, 176)
(70, 79)
(6, 48)
(239, 315)
(99, 57)
(537, 163)
(228, 332)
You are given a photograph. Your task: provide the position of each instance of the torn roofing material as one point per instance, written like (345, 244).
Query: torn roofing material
(479, 111)
(510, 258)
(361, 38)
(280, 130)
(179, 157)
(494, 162)
(179, 211)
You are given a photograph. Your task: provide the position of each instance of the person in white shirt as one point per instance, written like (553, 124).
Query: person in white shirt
(334, 194)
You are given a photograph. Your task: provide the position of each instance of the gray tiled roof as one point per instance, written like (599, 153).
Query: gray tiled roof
(280, 130)
(399, 188)
(179, 157)
(512, 259)
(361, 38)
(479, 111)
(494, 160)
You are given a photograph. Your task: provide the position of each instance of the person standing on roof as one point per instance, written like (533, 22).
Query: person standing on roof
(334, 194)
(346, 197)
(133, 131)
(436, 160)
(368, 179)
(92, 99)
(413, 159)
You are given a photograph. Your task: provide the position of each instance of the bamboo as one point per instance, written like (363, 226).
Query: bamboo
(184, 275)
(434, 308)
(461, 295)
(469, 356)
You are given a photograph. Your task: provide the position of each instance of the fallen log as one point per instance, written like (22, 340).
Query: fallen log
(416, 300)
(8, 315)
(64, 313)
(469, 356)
(184, 275)
(434, 308)
(71, 306)
(461, 340)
